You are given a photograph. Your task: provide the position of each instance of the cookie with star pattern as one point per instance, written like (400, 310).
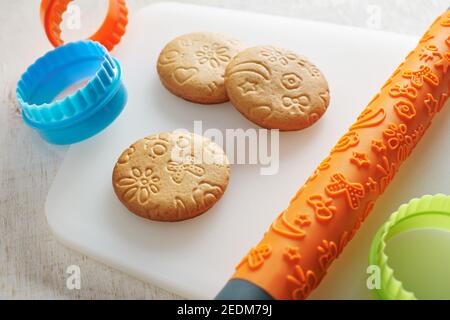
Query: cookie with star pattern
(276, 88)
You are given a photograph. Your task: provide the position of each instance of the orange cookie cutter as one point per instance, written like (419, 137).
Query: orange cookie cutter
(109, 34)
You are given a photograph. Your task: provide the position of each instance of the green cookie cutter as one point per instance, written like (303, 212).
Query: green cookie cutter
(427, 212)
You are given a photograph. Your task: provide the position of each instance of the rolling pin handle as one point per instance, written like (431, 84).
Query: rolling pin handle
(237, 289)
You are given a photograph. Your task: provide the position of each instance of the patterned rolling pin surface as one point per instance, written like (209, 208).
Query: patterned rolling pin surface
(304, 240)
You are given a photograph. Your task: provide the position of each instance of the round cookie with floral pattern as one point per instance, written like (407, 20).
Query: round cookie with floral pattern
(276, 88)
(192, 66)
(171, 176)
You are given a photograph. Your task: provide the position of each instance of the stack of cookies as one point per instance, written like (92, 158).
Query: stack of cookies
(177, 176)
(272, 87)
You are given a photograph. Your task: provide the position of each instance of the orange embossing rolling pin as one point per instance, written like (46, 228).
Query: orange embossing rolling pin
(303, 241)
(109, 34)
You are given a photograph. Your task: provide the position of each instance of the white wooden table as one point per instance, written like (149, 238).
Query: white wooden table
(32, 263)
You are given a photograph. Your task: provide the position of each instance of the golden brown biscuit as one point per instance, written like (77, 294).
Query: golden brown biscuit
(277, 89)
(171, 176)
(192, 66)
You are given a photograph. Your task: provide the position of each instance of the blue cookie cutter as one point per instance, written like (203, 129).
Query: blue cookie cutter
(85, 112)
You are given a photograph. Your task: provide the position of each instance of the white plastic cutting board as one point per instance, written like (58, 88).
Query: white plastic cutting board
(196, 257)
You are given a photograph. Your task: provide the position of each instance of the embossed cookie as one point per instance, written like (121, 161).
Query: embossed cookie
(192, 66)
(277, 89)
(171, 176)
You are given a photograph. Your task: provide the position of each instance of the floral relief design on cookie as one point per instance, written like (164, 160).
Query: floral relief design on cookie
(140, 184)
(157, 146)
(171, 176)
(214, 55)
(192, 66)
(312, 68)
(275, 55)
(291, 81)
